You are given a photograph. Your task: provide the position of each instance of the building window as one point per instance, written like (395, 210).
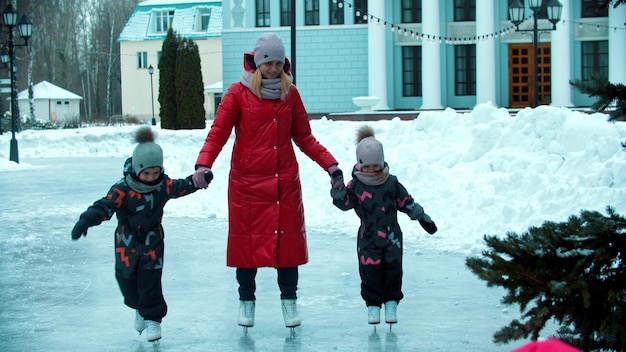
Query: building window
(262, 13)
(411, 11)
(411, 71)
(142, 59)
(465, 70)
(163, 20)
(464, 10)
(591, 8)
(336, 12)
(311, 12)
(203, 18)
(595, 59)
(360, 11)
(285, 12)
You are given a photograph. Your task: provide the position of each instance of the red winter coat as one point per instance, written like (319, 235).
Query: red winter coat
(265, 212)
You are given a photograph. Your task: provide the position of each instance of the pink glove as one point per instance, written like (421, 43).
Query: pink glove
(199, 179)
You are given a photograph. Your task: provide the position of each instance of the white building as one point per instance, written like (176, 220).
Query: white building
(52, 103)
(141, 42)
(432, 54)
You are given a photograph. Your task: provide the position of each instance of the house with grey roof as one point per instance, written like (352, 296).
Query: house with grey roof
(141, 42)
(52, 103)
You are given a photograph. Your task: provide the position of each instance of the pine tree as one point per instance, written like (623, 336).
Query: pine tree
(611, 97)
(189, 86)
(167, 81)
(572, 273)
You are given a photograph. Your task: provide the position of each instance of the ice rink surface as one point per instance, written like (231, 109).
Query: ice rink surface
(61, 295)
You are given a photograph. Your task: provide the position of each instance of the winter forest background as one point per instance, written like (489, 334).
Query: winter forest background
(74, 44)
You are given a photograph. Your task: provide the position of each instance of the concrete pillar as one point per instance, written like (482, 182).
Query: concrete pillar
(561, 59)
(617, 43)
(485, 53)
(431, 57)
(377, 55)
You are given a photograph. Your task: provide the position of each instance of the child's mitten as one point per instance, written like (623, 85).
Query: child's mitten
(427, 224)
(416, 212)
(338, 190)
(80, 229)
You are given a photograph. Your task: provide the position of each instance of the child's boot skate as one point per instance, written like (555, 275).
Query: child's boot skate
(153, 331)
(373, 314)
(391, 308)
(140, 323)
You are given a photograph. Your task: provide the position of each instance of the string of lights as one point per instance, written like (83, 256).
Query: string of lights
(400, 29)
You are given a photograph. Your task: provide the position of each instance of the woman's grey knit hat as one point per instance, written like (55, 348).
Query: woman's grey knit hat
(269, 47)
(147, 153)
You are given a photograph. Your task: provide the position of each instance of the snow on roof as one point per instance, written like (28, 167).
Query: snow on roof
(47, 90)
(214, 88)
(138, 27)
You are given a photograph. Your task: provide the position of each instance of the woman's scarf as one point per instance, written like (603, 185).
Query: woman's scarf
(373, 179)
(270, 88)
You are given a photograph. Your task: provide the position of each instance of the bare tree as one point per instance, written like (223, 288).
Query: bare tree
(74, 45)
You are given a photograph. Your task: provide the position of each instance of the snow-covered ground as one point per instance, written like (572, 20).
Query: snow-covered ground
(477, 173)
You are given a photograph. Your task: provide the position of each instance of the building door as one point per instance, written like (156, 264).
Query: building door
(521, 75)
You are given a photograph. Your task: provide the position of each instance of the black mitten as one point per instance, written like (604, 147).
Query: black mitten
(338, 190)
(427, 224)
(416, 212)
(80, 229)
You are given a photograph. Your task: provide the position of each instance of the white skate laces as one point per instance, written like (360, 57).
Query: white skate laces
(290, 313)
(246, 313)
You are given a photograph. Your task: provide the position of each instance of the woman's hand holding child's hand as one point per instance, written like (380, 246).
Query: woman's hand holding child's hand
(200, 178)
(338, 190)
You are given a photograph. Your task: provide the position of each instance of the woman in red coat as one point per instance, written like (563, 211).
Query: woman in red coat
(265, 211)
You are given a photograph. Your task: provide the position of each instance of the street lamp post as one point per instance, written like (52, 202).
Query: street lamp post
(25, 29)
(151, 71)
(516, 12)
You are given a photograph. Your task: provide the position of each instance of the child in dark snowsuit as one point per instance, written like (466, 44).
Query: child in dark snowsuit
(138, 200)
(376, 196)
